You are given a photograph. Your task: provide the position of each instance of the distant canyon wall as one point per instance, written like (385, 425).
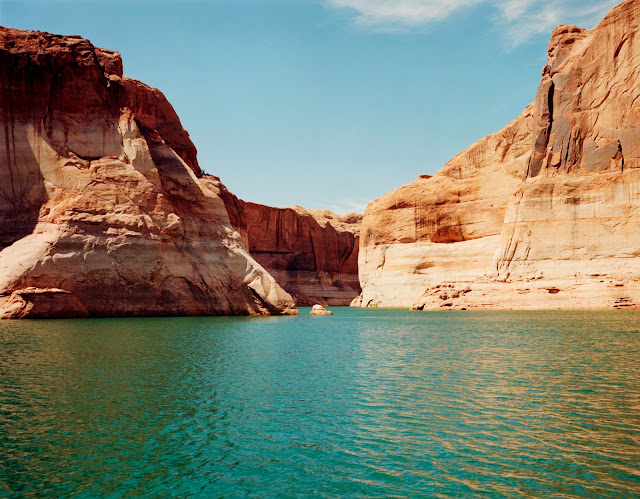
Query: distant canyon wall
(103, 207)
(545, 213)
(312, 254)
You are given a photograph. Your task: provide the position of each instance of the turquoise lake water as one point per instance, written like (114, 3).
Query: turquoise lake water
(382, 403)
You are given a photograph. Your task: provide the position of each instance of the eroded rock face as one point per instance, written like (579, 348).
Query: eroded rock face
(549, 217)
(312, 254)
(102, 211)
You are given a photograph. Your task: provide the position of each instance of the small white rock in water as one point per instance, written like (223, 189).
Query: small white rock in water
(320, 310)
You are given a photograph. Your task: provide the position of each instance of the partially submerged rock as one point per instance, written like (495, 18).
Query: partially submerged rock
(320, 310)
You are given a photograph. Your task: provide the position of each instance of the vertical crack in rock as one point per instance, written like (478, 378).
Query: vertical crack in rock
(620, 156)
(544, 104)
(619, 47)
(552, 89)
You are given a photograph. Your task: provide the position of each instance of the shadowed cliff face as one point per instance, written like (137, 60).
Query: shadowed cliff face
(543, 214)
(312, 254)
(102, 211)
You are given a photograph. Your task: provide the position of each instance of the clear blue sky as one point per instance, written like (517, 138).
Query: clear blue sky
(325, 103)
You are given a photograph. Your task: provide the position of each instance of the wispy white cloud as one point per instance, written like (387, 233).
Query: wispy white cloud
(343, 206)
(404, 12)
(514, 9)
(523, 19)
(519, 20)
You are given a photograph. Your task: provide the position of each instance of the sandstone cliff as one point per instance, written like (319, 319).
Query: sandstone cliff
(312, 254)
(543, 214)
(578, 210)
(102, 211)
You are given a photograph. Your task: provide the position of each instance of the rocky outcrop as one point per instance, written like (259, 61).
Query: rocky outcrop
(102, 208)
(312, 254)
(548, 216)
(320, 310)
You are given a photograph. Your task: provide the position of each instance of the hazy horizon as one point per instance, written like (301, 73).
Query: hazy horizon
(325, 104)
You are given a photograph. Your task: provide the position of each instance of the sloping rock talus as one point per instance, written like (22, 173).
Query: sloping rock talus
(569, 234)
(102, 208)
(312, 254)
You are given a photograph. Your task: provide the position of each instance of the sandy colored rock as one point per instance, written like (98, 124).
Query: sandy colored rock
(312, 254)
(544, 214)
(320, 310)
(102, 211)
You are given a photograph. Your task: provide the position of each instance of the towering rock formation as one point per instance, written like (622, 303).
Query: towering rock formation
(541, 215)
(102, 211)
(578, 211)
(446, 227)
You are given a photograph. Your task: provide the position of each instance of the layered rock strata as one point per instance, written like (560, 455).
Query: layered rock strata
(578, 212)
(544, 214)
(312, 254)
(102, 208)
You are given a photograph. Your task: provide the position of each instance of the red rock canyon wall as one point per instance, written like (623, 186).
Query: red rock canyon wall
(312, 254)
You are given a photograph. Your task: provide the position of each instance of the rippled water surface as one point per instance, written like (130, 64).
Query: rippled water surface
(364, 403)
